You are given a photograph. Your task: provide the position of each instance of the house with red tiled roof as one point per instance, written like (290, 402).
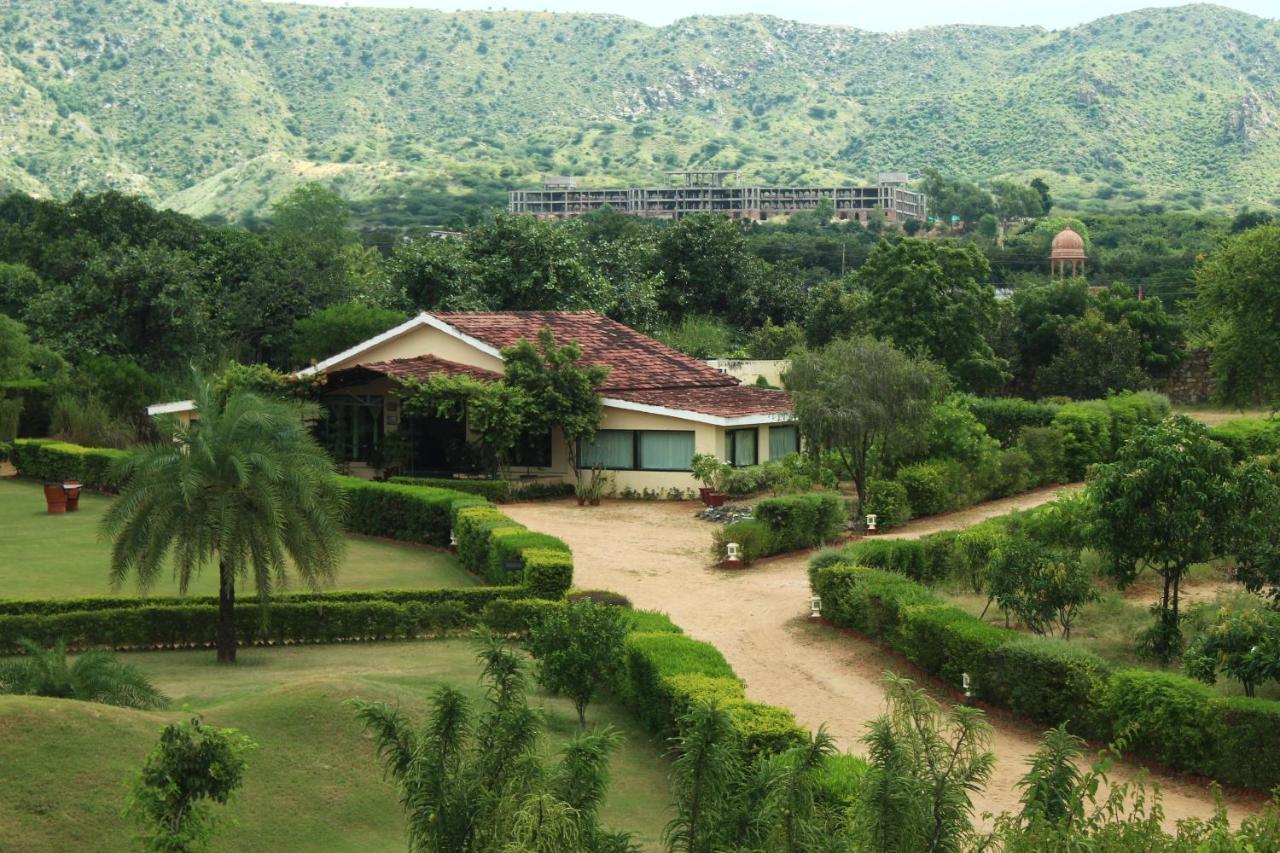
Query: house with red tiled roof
(660, 405)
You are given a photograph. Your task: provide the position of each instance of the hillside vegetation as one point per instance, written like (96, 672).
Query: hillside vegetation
(218, 106)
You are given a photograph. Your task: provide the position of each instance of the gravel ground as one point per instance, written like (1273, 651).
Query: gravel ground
(658, 555)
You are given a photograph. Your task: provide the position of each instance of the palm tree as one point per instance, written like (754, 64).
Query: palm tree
(246, 486)
(94, 676)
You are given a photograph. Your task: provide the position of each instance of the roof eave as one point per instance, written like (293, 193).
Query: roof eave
(699, 417)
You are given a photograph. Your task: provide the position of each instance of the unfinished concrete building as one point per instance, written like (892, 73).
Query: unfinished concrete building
(718, 191)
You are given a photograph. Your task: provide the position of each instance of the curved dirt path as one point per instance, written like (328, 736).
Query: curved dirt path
(658, 555)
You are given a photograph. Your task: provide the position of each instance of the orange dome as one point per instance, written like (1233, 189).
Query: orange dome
(1068, 245)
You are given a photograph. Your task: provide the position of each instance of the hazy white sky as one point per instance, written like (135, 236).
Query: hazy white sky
(865, 14)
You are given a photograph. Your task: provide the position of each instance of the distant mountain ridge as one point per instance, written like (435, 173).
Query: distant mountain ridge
(218, 106)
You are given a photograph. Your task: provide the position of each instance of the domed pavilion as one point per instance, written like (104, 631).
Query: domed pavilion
(1067, 251)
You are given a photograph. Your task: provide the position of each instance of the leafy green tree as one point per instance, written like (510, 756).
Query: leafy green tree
(1042, 189)
(929, 297)
(857, 397)
(1243, 644)
(19, 284)
(771, 341)
(313, 213)
(15, 350)
(579, 650)
(1094, 357)
(561, 389)
(925, 764)
(479, 782)
(498, 413)
(244, 485)
(1239, 304)
(94, 676)
(1040, 586)
(790, 817)
(706, 778)
(527, 264)
(950, 197)
(331, 330)
(192, 767)
(699, 336)
(1165, 504)
(432, 274)
(838, 309)
(708, 270)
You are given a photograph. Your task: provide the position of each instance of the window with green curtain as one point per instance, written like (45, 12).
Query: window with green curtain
(783, 441)
(612, 448)
(742, 447)
(666, 450)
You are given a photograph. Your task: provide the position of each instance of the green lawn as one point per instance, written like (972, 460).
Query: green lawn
(314, 783)
(61, 556)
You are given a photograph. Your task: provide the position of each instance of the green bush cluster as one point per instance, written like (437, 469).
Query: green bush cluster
(754, 539)
(195, 625)
(802, 521)
(1006, 417)
(404, 513)
(1162, 716)
(499, 548)
(904, 556)
(1249, 437)
(498, 491)
(515, 616)
(795, 473)
(887, 501)
(936, 485)
(56, 461)
(664, 673)
(507, 549)
(1093, 430)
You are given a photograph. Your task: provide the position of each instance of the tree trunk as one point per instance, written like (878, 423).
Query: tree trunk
(226, 641)
(582, 713)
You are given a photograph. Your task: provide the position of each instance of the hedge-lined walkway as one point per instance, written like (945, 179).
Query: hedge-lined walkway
(658, 555)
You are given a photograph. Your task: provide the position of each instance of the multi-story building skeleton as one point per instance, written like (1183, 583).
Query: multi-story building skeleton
(717, 191)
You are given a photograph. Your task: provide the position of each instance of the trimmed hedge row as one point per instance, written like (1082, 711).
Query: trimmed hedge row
(498, 491)
(1162, 716)
(1006, 417)
(54, 461)
(1249, 437)
(665, 673)
(405, 513)
(195, 625)
(801, 521)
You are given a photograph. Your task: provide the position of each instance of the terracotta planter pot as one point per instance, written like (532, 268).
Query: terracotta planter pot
(703, 492)
(716, 499)
(55, 498)
(582, 501)
(595, 501)
(72, 489)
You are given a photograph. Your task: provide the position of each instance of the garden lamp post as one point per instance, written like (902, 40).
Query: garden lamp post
(871, 522)
(815, 607)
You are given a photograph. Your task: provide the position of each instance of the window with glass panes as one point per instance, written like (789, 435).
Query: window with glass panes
(639, 450)
(741, 447)
(783, 441)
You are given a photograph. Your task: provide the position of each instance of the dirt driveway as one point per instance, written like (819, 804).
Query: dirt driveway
(658, 555)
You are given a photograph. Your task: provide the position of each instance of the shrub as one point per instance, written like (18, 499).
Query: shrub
(1086, 436)
(56, 461)
(1246, 724)
(651, 621)
(548, 573)
(940, 558)
(1167, 717)
(1051, 682)
(936, 485)
(801, 521)
(947, 642)
(515, 616)
(6, 449)
(1134, 411)
(755, 539)
(887, 500)
(1008, 472)
(194, 625)
(1249, 437)
(540, 491)
(904, 556)
(498, 491)
(869, 600)
(1046, 449)
(1006, 417)
(507, 545)
(974, 550)
(650, 660)
(600, 596)
(405, 513)
(473, 526)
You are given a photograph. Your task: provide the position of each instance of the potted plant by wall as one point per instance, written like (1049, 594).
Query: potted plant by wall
(711, 471)
(596, 485)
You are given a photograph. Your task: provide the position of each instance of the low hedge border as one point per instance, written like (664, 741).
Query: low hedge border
(664, 673)
(1159, 716)
(55, 461)
(498, 491)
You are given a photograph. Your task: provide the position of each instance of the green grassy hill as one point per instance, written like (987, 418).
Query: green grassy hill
(217, 106)
(314, 782)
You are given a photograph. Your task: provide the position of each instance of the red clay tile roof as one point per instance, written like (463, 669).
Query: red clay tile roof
(634, 360)
(726, 401)
(424, 367)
